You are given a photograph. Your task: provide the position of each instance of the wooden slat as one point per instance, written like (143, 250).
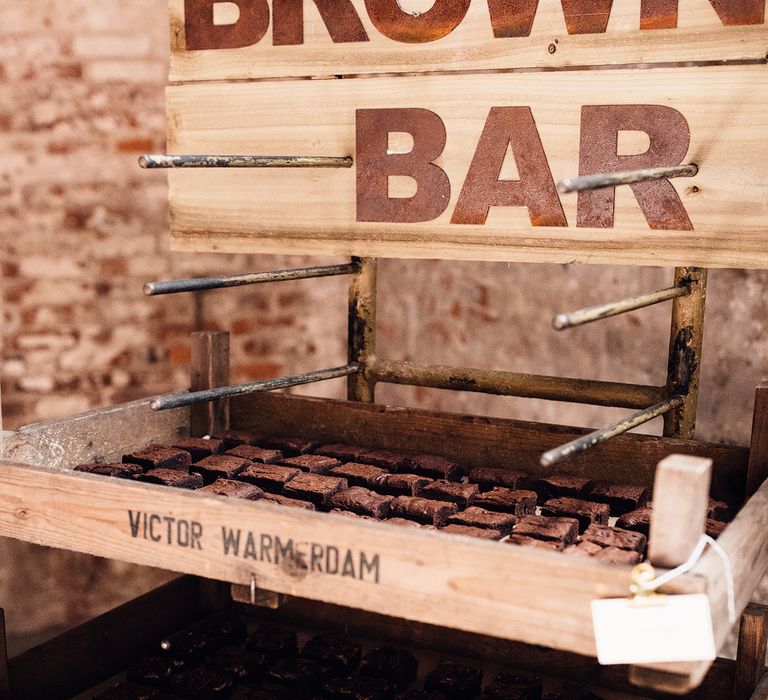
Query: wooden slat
(210, 370)
(315, 212)
(750, 659)
(699, 36)
(757, 471)
(480, 441)
(419, 575)
(96, 650)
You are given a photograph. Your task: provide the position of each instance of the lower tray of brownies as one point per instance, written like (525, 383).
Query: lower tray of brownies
(244, 657)
(564, 513)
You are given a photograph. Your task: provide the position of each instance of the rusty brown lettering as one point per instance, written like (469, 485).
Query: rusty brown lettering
(662, 14)
(510, 127)
(437, 22)
(341, 20)
(201, 33)
(375, 165)
(669, 137)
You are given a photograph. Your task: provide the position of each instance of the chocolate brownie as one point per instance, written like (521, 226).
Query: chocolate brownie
(192, 649)
(350, 514)
(268, 477)
(314, 488)
(358, 687)
(159, 457)
(290, 447)
(400, 484)
(718, 510)
(361, 501)
(637, 520)
(239, 663)
(128, 691)
(620, 498)
(171, 477)
(219, 467)
(231, 630)
(512, 686)
(607, 536)
(288, 502)
(541, 527)
(483, 533)
(390, 460)
(255, 454)
(421, 694)
(155, 671)
(423, 510)
(276, 642)
(490, 477)
(119, 471)
(233, 438)
(434, 467)
(403, 522)
(454, 679)
(233, 489)
(392, 664)
(358, 474)
(342, 452)
(614, 555)
(202, 683)
(561, 486)
(586, 512)
(315, 464)
(338, 652)
(198, 448)
(516, 502)
(303, 677)
(264, 691)
(536, 544)
(583, 549)
(714, 528)
(479, 517)
(454, 491)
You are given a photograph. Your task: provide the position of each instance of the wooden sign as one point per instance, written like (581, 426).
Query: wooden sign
(246, 39)
(465, 166)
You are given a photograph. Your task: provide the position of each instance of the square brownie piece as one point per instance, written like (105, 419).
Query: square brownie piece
(314, 464)
(638, 521)
(586, 512)
(482, 533)
(234, 438)
(422, 510)
(338, 652)
(290, 446)
(561, 486)
(314, 488)
(523, 541)
(358, 474)
(268, 477)
(239, 663)
(233, 489)
(361, 501)
(434, 467)
(505, 500)
(342, 452)
(619, 497)
(606, 536)
(220, 467)
(276, 642)
(160, 457)
(202, 683)
(287, 502)
(512, 685)
(171, 477)
(718, 510)
(614, 555)
(303, 677)
(490, 477)
(583, 549)
(404, 522)
(541, 527)
(454, 491)
(255, 454)
(390, 460)
(358, 687)
(199, 448)
(118, 471)
(454, 679)
(479, 517)
(400, 484)
(392, 664)
(714, 528)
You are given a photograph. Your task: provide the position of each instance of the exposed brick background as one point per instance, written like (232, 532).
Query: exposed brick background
(82, 229)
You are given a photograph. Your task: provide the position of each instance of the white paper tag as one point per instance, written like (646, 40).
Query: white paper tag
(673, 628)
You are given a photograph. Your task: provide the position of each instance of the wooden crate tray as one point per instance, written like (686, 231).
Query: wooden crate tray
(425, 576)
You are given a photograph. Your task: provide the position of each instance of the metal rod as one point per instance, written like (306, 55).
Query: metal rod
(362, 329)
(186, 398)
(603, 435)
(532, 386)
(201, 284)
(153, 162)
(685, 347)
(615, 308)
(625, 177)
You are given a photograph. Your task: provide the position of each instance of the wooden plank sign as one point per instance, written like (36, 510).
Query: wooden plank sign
(465, 166)
(246, 39)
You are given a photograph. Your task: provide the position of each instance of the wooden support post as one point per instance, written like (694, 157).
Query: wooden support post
(750, 658)
(684, 368)
(362, 329)
(757, 471)
(5, 681)
(210, 370)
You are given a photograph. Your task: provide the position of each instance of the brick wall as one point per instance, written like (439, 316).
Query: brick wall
(82, 229)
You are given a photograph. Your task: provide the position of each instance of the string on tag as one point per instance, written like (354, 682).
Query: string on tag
(647, 584)
(415, 13)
